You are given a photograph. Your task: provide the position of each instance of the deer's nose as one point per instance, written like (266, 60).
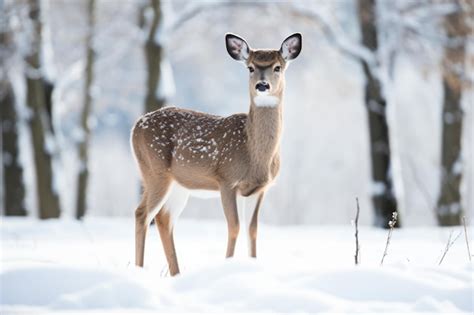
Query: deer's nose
(262, 86)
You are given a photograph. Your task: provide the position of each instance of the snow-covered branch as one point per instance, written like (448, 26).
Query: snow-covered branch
(335, 34)
(195, 8)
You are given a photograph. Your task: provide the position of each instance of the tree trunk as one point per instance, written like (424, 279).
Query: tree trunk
(83, 146)
(40, 122)
(449, 211)
(153, 54)
(14, 189)
(383, 196)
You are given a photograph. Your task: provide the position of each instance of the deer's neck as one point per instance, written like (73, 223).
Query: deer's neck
(264, 130)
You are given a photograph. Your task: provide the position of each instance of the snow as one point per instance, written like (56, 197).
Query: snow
(457, 166)
(452, 208)
(63, 265)
(378, 188)
(166, 88)
(47, 54)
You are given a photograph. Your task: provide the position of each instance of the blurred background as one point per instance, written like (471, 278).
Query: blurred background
(378, 106)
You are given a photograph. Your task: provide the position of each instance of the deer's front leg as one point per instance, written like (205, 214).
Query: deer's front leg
(229, 202)
(254, 206)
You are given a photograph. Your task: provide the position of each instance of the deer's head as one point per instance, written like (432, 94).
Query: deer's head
(266, 67)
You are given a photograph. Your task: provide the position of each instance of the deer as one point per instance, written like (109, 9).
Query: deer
(182, 153)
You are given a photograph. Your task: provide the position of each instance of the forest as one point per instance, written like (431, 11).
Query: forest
(75, 77)
(377, 119)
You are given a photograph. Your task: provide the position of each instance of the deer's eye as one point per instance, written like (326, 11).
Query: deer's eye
(277, 69)
(251, 69)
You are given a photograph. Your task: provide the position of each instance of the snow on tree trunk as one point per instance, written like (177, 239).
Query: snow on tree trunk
(83, 145)
(38, 97)
(383, 196)
(449, 210)
(154, 56)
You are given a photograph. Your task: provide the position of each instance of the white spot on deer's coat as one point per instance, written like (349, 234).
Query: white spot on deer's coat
(265, 100)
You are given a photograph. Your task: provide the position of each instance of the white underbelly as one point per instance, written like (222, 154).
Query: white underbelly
(178, 196)
(204, 194)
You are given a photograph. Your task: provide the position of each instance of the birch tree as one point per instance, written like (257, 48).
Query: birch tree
(38, 98)
(449, 210)
(83, 145)
(153, 56)
(14, 189)
(383, 196)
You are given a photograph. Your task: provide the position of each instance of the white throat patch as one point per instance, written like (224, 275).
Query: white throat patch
(265, 100)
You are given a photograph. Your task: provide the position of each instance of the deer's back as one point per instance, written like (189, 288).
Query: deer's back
(195, 147)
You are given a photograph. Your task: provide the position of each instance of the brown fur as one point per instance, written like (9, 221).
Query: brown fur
(236, 155)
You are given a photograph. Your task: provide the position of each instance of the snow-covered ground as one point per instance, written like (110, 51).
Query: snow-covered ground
(61, 265)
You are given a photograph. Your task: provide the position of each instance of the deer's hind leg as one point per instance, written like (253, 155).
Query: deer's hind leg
(165, 220)
(152, 201)
(140, 231)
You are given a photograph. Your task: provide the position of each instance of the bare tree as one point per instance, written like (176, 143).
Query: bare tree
(83, 145)
(449, 211)
(38, 98)
(383, 196)
(154, 55)
(14, 189)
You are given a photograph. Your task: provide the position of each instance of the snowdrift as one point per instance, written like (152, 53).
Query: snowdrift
(58, 266)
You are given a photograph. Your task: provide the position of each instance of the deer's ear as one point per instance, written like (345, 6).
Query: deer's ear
(237, 47)
(291, 47)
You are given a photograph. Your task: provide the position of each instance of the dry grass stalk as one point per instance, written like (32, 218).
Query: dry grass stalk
(467, 238)
(448, 245)
(391, 224)
(356, 223)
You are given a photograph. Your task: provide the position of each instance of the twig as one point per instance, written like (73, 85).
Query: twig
(190, 11)
(467, 238)
(448, 245)
(356, 223)
(91, 240)
(391, 224)
(165, 271)
(420, 185)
